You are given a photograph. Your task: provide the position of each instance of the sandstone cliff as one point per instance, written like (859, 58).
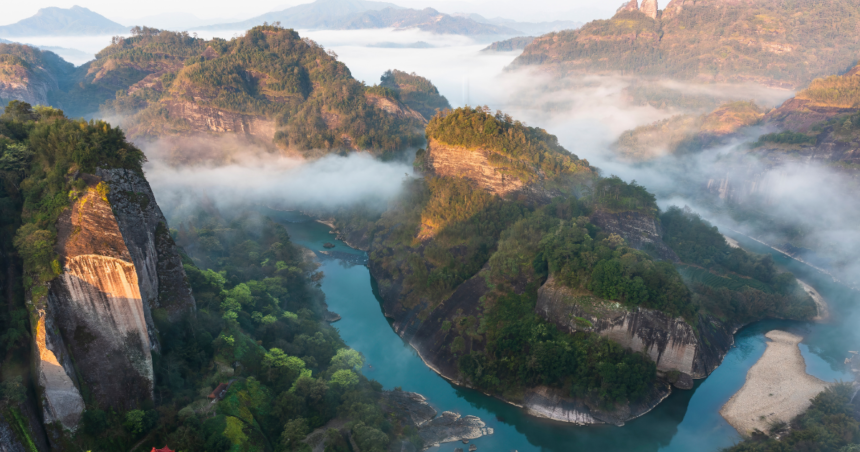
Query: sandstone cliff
(94, 331)
(672, 343)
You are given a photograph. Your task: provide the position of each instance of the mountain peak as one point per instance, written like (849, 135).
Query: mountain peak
(54, 21)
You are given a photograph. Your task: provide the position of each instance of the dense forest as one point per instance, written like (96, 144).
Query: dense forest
(829, 425)
(773, 42)
(259, 319)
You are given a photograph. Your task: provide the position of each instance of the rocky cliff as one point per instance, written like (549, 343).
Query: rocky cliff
(641, 231)
(30, 75)
(672, 343)
(95, 332)
(446, 160)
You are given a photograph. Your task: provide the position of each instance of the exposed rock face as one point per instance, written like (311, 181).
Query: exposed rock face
(552, 404)
(632, 5)
(446, 428)
(95, 327)
(27, 89)
(473, 164)
(152, 250)
(638, 229)
(649, 8)
(393, 107)
(671, 343)
(200, 118)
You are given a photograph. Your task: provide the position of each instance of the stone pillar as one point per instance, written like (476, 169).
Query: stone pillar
(649, 8)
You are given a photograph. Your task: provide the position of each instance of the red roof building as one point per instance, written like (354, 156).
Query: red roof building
(219, 391)
(162, 450)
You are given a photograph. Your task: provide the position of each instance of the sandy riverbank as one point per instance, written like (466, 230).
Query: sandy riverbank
(777, 387)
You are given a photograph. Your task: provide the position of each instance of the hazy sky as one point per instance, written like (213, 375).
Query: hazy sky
(229, 10)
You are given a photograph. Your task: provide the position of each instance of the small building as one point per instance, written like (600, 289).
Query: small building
(219, 392)
(165, 449)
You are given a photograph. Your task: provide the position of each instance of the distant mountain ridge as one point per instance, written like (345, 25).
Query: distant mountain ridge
(363, 14)
(74, 21)
(530, 28)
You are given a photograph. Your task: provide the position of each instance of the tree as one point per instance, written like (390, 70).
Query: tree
(347, 358)
(294, 432)
(344, 379)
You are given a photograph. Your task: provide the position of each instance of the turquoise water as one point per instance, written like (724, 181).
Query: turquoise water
(687, 420)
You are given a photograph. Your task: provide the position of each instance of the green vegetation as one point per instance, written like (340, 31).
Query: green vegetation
(41, 150)
(840, 91)
(788, 137)
(516, 149)
(310, 97)
(615, 195)
(415, 91)
(771, 41)
(259, 319)
(731, 283)
(828, 425)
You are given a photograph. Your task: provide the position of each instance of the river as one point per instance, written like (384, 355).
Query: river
(686, 420)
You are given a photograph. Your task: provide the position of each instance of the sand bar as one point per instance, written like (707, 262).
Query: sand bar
(777, 387)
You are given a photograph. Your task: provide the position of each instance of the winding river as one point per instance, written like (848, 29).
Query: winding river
(687, 420)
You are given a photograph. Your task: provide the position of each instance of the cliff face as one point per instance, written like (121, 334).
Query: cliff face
(671, 343)
(95, 332)
(639, 230)
(473, 164)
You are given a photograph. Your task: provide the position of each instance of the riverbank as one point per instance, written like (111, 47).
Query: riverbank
(820, 305)
(777, 387)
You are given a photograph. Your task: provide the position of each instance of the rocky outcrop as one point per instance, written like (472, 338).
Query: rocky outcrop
(632, 5)
(201, 118)
(448, 427)
(95, 331)
(649, 8)
(672, 343)
(394, 107)
(457, 161)
(638, 229)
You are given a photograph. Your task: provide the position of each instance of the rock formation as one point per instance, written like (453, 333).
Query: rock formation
(632, 5)
(638, 229)
(672, 343)
(649, 8)
(473, 164)
(446, 428)
(95, 327)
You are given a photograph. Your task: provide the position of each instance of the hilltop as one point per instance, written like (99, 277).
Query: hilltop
(74, 21)
(769, 42)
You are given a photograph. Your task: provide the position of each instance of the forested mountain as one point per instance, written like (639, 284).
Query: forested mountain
(361, 14)
(270, 86)
(74, 21)
(31, 75)
(510, 244)
(771, 42)
(114, 336)
(509, 45)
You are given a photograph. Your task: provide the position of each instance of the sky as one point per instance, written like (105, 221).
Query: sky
(127, 13)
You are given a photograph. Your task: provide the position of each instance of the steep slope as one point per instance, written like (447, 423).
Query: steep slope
(770, 42)
(30, 75)
(511, 261)
(415, 91)
(98, 261)
(74, 21)
(509, 45)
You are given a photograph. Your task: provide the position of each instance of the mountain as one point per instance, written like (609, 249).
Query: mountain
(30, 74)
(361, 14)
(270, 86)
(508, 234)
(770, 42)
(74, 21)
